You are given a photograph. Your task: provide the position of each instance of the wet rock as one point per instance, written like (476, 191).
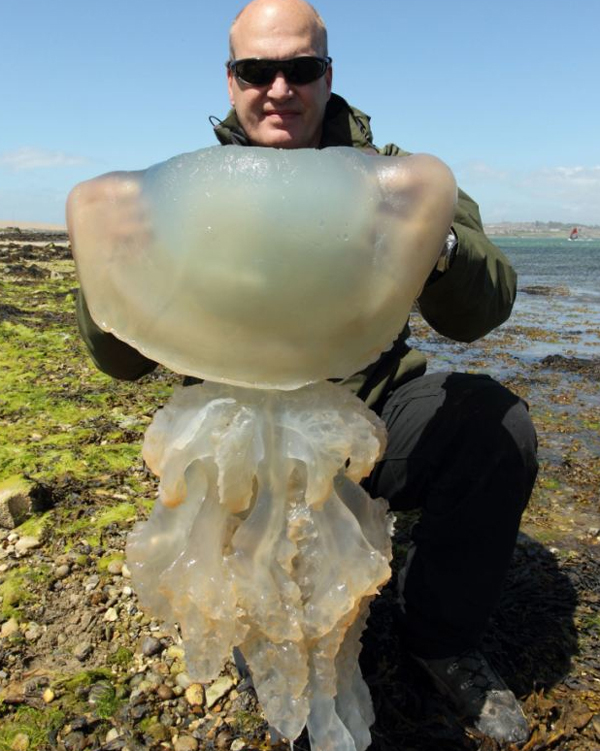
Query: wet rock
(115, 567)
(75, 741)
(63, 571)
(111, 615)
(26, 544)
(20, 742)
(218, 689)
(151, 646)
(9, 628)
(139, 711)
(165, 692)
(194, 695)
(48, 696)
(186, 743)
(82, 650)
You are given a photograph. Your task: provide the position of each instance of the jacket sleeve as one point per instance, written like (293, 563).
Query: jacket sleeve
(476, 294)
(111, 355)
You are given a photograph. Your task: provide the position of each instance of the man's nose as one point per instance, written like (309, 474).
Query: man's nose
(280, 87)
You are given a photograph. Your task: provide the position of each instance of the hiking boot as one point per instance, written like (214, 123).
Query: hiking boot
(479, 693)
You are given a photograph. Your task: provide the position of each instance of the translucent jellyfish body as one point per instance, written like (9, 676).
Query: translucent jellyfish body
(264, 267)
(265, 272)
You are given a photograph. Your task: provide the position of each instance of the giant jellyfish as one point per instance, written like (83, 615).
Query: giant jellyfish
(272, 276)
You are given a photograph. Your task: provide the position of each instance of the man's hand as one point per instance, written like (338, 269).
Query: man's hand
(111, 208)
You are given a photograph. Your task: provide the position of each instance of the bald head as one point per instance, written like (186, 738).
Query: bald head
(272, 19)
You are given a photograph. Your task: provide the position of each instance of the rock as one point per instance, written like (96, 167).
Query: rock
(218, 689)
(165, 692)
(75, 741)
(33, 631)
(25, 544)
(112, 735)
(82, 650)
(63, 571)
(238, 745)
(223, 739)
(16, 504)
(48, 696)
(125, 572)
(115, 567)
(111, 615)
(9, 628)
(186, 743)
(194, 695)
(20, 742)
(183, 680)
(151, 646)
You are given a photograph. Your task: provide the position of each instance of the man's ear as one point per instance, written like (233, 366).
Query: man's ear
(230, 85)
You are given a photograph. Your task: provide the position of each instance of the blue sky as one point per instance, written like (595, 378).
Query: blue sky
(505, 93)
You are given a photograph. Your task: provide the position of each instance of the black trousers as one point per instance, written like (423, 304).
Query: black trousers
(462, 448)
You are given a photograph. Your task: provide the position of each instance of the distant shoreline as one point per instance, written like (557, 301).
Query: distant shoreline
(542, 230)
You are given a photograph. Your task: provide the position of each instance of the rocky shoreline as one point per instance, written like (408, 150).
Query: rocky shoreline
(83, 668)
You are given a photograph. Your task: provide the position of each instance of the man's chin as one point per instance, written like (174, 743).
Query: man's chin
(281, 138)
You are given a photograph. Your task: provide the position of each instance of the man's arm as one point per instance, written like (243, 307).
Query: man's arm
(109, 354)
(109, 206)
(477, 292)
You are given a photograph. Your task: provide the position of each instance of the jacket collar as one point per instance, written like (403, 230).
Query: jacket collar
(343, 125)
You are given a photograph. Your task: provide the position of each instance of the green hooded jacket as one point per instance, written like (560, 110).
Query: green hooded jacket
(471, 298)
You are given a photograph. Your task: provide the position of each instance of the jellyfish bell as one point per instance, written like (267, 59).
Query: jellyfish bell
(268, 268)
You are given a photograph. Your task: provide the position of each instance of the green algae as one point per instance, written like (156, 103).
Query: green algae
(33, 723)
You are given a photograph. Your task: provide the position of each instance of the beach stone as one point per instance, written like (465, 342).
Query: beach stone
(115, 567)
(9, 628)
(75, 741)
(63, 571)
(151, 646)
(186, 743)
(48, 696)
(218, 689)
(112, 735)
(25, 544)
(165, 692)
(237, 745)
(111, 615)
(194, 695)
(183, 680)
(20, 742)
(16, 504)
(82, 650)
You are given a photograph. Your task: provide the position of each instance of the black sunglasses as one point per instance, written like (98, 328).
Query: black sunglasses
(297, 70)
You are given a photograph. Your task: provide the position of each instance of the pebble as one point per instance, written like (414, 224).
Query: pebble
(165, 692)
(25, 544)
(194, 695)
(81, 650)
(151, 646)
(91, 583)
(127, 591)
(218, 689)
(238, 745)
(9, 628)
(125, 572)
(75, 741)
(63, 571)
(186, 743)
(33, 631)
(111, 615)
(20, 742)
(183, 680)
(48, 696)
(112, 735)
(115, 567)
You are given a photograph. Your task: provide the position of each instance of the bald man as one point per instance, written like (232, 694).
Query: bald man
(461, 447)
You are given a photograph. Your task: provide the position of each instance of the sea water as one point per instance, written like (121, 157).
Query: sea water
(557, 311)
